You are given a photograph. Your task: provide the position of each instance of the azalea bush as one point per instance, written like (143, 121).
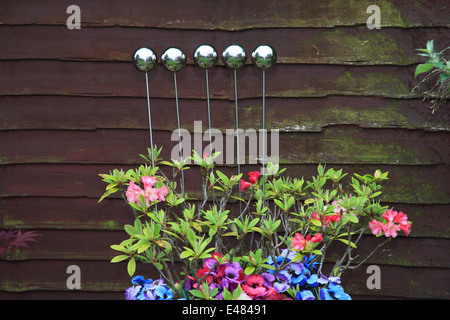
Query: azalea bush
(274, 247)
(437, 70)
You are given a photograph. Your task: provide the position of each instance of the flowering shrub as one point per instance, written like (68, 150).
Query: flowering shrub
(275, 246)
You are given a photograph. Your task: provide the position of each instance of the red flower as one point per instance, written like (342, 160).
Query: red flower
(244, 185)
(406, 228)
(254, 285)
(317, 238)
(253, 176)
(272, 294)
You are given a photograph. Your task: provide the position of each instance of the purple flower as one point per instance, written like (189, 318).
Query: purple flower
(268, 279)
(132, 292)
(283, 281)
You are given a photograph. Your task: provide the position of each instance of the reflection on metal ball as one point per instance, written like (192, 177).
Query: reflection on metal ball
(144, 59)
(173, 59)
(234, 56)
(264, 57)
(205, 56)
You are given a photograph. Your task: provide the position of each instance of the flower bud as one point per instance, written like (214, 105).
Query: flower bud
(377, 174)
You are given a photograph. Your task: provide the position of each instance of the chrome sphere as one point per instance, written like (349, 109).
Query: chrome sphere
(173, 59)
(234, 56)
(205, 56)
(264, 57)
(144, 59)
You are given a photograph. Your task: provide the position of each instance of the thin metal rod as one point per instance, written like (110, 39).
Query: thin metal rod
(179, 131)
(150, 120)
(264, 133)
(237, 137)
(209, 125)
(150, 127)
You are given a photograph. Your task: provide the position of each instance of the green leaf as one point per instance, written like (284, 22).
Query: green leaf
(197, 293)
(186, 254)
(346, 242)
(279, 203)
(350, 217)
(421, 68)
(249, 270)
(119, 248)
(131, 266)
(119, 258)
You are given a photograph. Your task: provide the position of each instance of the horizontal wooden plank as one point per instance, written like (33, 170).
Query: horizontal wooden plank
(343, 145)
(407, 184)
(346, 45)
(286, 115)
(400, 282)
(64, 213)
(100, 276)
(95, 245)
(52, 275)
(122, 79)
(230, 15)
(111, 214)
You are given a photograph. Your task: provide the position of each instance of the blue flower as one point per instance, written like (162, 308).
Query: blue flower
(305, 295)
(164, 293)
(313, 280)
(140, 280)
(334, 291)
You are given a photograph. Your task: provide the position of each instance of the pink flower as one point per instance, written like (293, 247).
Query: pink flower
(401, 218)
(244, 185)
(376, 227)
(205, 155)
(151, 194)
(162, 193)
(148, 181)
(298, 242)
(133, 192)
(390, 215)
(390, 229)
(253, 176)
(406, 228)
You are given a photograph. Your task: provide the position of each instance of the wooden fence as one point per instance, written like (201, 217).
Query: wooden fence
(72, 106)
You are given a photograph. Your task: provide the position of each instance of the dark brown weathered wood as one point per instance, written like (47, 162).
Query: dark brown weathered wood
(344, 45)
(341, 145)
(122, 79)
(229, 15)
(285, 114)
(407, 184)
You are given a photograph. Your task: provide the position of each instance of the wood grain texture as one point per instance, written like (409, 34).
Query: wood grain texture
(342, 45)
(284, 114)
(121, 79)
(341, 145)
(407, 184)
(229, 15)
